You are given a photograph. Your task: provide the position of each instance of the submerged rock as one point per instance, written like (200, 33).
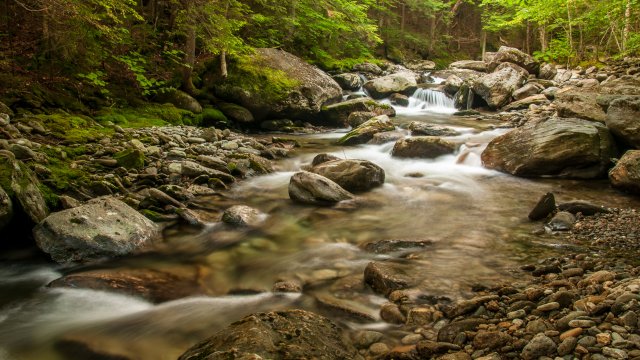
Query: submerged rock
(103, 227)
(286, 335)
(564, 148)
(562, 221)
(352, 175)
(545, 206)
(385, 277)
(242, 215)
(309, 188)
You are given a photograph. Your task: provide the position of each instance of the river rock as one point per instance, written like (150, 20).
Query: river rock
(421, 65)
(358, 118)
(623, 119)
(22, 185)
(584, 207)
(322, 158)
(453, 84)
(547, 71)
(313, 90)
(474, 65)
(367, 67)
(385, 277)
(153, 285)
(562, 221)
(365, 132)
(242, 215)
(540, 345)
(565, 148)
(309, 188)
(352, 175)
(545, 206)
(402, 82)
(580, 104)
(497, 87)
(626, 174)
(527, 90)
(348, 81)
(399, 99)
(527, 102)
(507, 54)
(338, 114)
(450, 332)
(286, 335)
(181, 100)
(103, 227)
(423, 147)
(387, 136)
(235, 112)
(421, 128)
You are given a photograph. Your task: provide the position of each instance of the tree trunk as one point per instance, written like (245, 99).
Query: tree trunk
(484, 43)
(432, 34)
(223, 64)
(627, 25)
(189, 60)
(570, 33)
(527, 47)
(542, 30)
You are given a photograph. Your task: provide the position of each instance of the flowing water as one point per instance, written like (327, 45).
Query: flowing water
(475, 219)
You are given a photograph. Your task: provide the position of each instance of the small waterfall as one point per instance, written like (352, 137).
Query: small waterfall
(431, 100)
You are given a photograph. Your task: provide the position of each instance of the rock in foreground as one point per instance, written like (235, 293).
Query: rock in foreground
(293, 334)
(352, 175)
(104, 227)
(309, 188)
(626, 174)
(564, 148)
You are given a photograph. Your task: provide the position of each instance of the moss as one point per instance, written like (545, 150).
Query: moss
(6, 172)
(212, 117)
(151, 114)
(130, 158)
(153, 215)
(252, 73)
(73, 128)
(51, 199)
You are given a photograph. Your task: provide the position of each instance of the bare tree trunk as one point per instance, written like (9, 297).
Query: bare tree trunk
(627, 25)
(189, 60)
(484, 43)
(527, 47)
(542, 30)
(570, 34)
(223, 64)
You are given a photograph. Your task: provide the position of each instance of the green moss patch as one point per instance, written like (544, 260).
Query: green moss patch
(130, 158)
(73, 128)
(253, 74)
(149, 115)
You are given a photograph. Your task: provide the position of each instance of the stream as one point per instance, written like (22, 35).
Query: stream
(474, 220)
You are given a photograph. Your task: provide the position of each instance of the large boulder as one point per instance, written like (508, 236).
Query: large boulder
(496, 88)
(285, 335)
(352, 175)
(367, 130)
(235, 112)
(22, 185)
(309, 188)
(6, 209)
(547, 71)
(474, 65)
(580, 104)
(623, 119)
(275, 84)
(103, 227)
(423, 147)
(338, 114)
(626, 174)
(401, 82)
(512, 55)
(558, 147)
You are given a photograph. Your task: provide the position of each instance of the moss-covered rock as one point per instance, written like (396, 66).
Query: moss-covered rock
(274, 84)
(236, 112)
(20, 184)
(211, 117)
(6, 209)
(181, 100)
(130, 158)
(338, 114)
(365, 132)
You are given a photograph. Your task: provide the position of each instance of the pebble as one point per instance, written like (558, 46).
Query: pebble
(548, 307)
(614, 353)
(582, 323)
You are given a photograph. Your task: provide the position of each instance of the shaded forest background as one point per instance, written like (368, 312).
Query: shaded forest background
(151, 45)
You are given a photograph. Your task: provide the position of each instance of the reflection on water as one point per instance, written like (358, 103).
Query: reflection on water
(474, 217)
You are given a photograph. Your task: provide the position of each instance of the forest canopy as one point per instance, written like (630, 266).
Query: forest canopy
(159, 43)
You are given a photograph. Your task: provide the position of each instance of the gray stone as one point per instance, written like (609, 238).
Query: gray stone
(497, 87)
(580, 104)
(449, 332)
(351, 174)
(338, 114)
(310, 188)
(242, 215)
(626, 174)
(348, 81)
(23, 187)
(421, 128)
(474, 65)
(103, 227)
(236, 112)
(422, 147)
(507, 54)
(385, 277)
(525, 103)
(547, 71)
(403, 83)
(562, 221)
(540, 345)
(564, 148)
(567, 346)
(623, 119)
(181, 100)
